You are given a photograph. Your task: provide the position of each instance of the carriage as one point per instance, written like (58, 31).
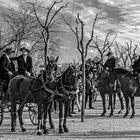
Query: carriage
(31, 108)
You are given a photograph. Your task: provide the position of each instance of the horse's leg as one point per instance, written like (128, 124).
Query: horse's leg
(50, 116)
(111, 104)
(103, 103)
(72, 106)
(114, 97)
(90, 99)
(108, 103)
(20, 111)
(78, 103)
(39, 119)
(127, 105)
(55, 106)
(13, 115)
(121, 102)
(67, 104)
(133, 108)
(45, 111)
(61, 117)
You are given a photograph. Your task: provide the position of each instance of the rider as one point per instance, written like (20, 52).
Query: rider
(111, 61)
(7, 69)
(136, 66)
(24, 62)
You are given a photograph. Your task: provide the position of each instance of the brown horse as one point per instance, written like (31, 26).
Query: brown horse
(129, 86)
(24, 90)
(66, 85)
(105, 87)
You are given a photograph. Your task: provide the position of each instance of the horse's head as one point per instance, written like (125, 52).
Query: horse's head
(69, 78)
(51, 69)
(102, 73)
(52, 63)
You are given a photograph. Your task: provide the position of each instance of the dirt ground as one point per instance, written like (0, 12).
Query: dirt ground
(94, 126)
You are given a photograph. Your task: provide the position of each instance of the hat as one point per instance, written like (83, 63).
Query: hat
(96, 59)
(135, 54)
(8, 50)
(23, 48)
(109, 53)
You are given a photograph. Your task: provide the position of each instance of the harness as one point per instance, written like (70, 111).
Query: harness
(68, 94)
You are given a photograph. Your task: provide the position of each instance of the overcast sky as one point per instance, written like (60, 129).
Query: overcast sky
(121, 17)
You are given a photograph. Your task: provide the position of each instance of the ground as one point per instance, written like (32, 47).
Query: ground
(93, 127)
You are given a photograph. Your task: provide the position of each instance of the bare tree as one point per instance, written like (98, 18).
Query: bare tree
(107, 43)
(125, 53)
(131, 50)
(121, 54)
(49, 23)
(82, 47)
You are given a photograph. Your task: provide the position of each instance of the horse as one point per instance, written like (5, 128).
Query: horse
(129, 86)
(26, 90)
(105, 87)
(66, 85)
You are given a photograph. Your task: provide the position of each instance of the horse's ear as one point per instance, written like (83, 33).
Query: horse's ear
(56, 60)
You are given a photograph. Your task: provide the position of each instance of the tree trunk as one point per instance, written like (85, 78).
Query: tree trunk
(84, 89)
(46, 52)
(17, 46)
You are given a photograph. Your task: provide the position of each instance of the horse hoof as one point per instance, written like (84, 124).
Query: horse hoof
(13, 130)
(132, 116)
(45, 131)
(110, 115)
(124, 116)
(73, 112)
(23, 130)
(102, 115)
(120, 112)
(61, 131)
(66, 129)
(70, 115)
(52, 127)
(39, 133)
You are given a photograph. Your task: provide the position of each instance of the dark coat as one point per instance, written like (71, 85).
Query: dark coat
(5, 67)
(136, 65)
(22, 65)
(111, 63)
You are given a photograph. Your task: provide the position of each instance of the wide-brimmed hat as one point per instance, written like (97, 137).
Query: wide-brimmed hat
(135, 55)
(24, 49)
(9, 50)
(109, 53)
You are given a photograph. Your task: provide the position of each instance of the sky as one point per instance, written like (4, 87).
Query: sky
(120, 17)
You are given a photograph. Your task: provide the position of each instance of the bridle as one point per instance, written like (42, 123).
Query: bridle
(64, 86)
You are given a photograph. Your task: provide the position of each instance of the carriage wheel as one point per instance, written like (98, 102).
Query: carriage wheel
(1, 114)
(33, 113)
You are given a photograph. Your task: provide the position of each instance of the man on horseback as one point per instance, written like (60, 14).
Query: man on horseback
(7, 69)
(136, 67)
(111, 61)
